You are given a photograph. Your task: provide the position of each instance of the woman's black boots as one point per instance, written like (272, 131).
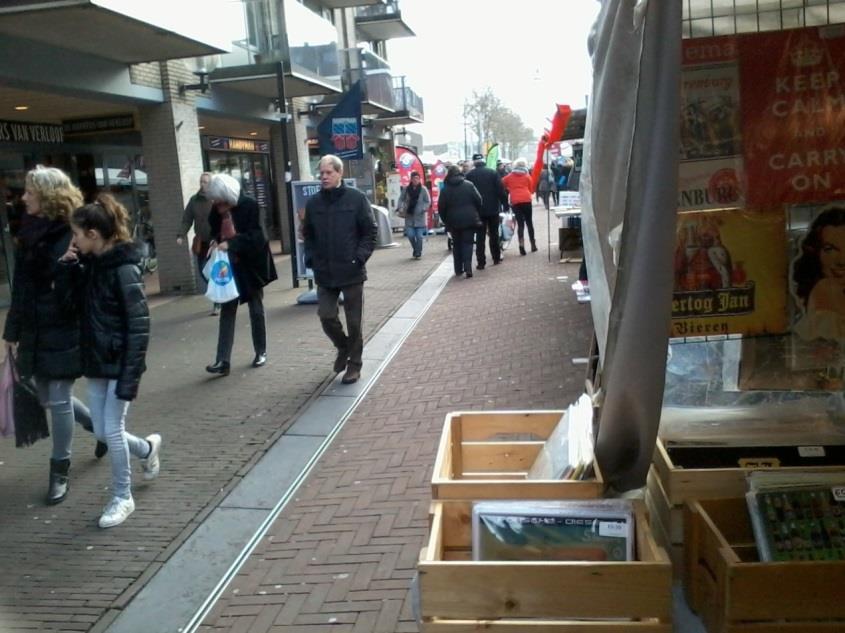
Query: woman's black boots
(533, 246)
(58, 481)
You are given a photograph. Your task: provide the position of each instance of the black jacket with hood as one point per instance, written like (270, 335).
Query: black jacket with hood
(459, 205)
(115, 318)
(42, 318)
(489, 185)
(340, 235)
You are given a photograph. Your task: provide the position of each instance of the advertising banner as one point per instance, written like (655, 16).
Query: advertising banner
(793, 115)
(728, 277)
(340, 131)
(438, 175)
(406, 162)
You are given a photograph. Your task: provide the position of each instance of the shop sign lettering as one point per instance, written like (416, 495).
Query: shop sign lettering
(24, 132)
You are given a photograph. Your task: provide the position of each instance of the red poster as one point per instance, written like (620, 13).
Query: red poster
(793, 115)
(406, 162)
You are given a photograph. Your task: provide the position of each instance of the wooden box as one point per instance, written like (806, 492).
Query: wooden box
(458, 594)
(486, 455)
(735, 593)
(669, 486)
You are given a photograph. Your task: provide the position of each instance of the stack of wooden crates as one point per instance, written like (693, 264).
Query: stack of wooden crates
(701, 517)
(486, 455)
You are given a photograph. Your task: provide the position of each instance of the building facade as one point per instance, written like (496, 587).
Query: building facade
(139, 103)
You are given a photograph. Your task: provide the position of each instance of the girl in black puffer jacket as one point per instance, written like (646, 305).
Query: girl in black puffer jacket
(42, 324)
(114, 337)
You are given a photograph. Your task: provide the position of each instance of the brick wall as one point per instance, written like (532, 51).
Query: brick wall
(148, 74)
(173, 157)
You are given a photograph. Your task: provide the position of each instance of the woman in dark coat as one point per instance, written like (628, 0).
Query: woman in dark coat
(459, 207)
(236, 229)
(43, 324)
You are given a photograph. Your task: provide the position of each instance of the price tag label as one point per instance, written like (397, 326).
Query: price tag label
(811, 451)
(616, 529)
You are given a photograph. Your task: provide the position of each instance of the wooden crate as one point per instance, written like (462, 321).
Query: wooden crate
(479, 458)
(669, 487)
(735, 593)
(458, 594)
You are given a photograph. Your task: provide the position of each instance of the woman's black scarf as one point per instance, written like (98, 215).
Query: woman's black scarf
(413, 196)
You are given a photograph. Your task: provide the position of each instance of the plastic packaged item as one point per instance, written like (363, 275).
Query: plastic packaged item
(600, 530)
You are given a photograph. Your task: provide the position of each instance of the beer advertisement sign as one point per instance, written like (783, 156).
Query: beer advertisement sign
(730, 270)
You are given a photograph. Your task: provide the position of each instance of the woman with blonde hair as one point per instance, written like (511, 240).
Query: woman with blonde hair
(42, 326)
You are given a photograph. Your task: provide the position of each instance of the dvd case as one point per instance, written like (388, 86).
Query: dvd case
(601, 530)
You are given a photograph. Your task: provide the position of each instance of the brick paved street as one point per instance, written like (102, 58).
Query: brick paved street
(342, 554)
(58, 571)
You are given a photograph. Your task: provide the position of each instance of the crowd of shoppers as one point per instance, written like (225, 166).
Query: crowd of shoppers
(79, 307)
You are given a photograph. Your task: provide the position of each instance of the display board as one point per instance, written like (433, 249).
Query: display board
(762, 162)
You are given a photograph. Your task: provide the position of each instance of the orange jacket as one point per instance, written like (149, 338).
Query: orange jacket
(519, 186)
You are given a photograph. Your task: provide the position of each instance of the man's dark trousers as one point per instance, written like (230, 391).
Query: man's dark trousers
(353, 308)
(489, 225)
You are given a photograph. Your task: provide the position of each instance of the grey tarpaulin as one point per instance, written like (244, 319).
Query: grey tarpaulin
(629, 190)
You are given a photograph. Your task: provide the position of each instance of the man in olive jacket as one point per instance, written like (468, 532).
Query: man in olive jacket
(340, 234)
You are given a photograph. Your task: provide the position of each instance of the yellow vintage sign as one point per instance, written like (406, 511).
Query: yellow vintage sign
(730, 273)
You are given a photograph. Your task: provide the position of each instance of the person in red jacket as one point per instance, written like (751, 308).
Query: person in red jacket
(518, 184)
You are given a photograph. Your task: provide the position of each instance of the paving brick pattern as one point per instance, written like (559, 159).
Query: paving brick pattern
(342, 554)
(58, 571)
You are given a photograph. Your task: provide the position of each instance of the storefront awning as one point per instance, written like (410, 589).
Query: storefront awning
(260, 80)
(99, 27)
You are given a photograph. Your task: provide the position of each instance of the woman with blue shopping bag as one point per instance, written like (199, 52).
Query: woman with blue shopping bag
(241, 265)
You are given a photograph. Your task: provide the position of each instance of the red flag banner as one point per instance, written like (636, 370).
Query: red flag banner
(407, 161)
(559, 122)
(438, 175)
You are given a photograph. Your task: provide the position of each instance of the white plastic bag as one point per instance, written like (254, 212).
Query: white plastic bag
(221, 280)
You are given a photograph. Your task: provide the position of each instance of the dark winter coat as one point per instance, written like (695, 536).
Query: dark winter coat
(196, 214)
(115, 317)
(340, 235)
(489, 185)
(249, 251)
(42, 318)
(459, 204)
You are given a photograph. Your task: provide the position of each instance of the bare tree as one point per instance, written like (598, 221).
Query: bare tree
(510, 132)
(480, 111)
(492, 122)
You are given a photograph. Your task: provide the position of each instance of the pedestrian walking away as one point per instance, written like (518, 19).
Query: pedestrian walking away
(414, 203)
(196, 214)
(236, 229)
(460, 208)
(518, 184)
(546, 185)
(42, 326)
(114, 337)
(493, 195)
(340, 235)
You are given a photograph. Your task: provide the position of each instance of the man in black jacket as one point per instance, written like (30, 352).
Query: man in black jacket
(340, 235)
(489, 185)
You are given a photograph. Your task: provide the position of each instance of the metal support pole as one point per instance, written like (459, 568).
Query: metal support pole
(283, 123)
(548, 211)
